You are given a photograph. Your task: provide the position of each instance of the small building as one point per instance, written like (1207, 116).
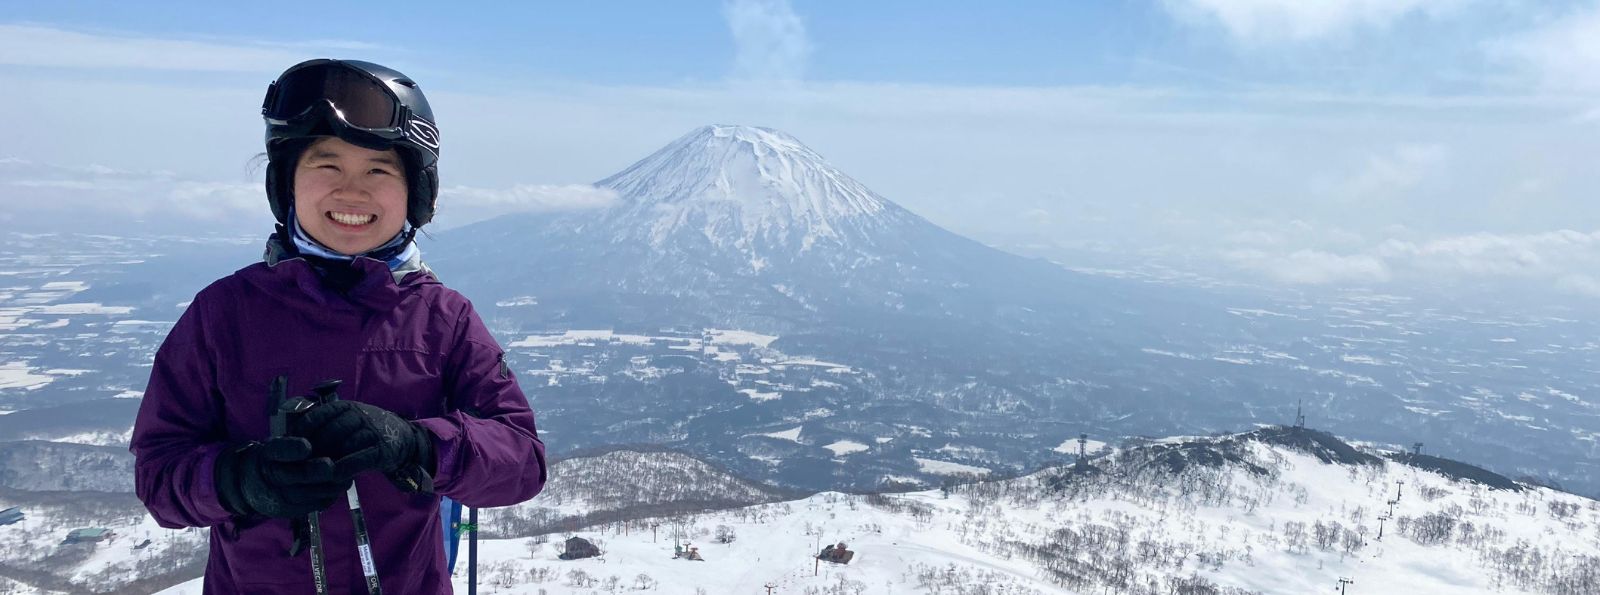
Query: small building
(11, 515)
(89, 535)
(577, 548)
(837, 554)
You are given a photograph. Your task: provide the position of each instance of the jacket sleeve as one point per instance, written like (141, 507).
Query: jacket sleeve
(179, 430)
(489, 452)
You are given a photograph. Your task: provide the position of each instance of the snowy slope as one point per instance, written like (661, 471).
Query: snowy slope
(1264, 517)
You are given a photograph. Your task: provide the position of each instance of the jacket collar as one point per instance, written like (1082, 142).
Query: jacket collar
(364, 281)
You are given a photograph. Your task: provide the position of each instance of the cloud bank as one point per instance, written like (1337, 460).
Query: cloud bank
(1563, 260)
(463, 205)
(106, 195)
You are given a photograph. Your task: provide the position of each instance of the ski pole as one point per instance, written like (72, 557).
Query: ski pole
(363, 542)
(319, 568)
(472, 553)
(326, 393)
(312, 522)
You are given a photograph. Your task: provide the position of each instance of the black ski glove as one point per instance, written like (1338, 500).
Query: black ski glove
(277, 478)
(361, 437)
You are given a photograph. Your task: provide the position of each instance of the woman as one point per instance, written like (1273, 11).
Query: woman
(412, 396)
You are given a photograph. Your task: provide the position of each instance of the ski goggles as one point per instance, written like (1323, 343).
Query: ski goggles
(353, 102)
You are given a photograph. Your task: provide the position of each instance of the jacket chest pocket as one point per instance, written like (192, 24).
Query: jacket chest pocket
(407, 380)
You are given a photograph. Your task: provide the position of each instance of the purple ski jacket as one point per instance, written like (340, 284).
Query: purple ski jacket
(411, 346)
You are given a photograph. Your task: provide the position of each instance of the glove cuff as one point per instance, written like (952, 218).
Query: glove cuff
(423, 454)
(228, 483)
(416, 473)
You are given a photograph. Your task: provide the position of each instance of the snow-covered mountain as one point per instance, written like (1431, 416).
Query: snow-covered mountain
(754, 190)
(1273, 511)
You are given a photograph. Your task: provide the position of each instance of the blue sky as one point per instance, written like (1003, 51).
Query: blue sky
(1304, 142)
(666, 42)
(942, 42)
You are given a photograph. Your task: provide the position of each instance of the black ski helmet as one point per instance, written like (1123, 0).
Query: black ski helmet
(363, 104)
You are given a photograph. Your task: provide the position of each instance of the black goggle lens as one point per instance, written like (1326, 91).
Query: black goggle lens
(362, 102)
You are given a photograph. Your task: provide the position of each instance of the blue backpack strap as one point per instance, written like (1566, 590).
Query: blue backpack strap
(450, 515)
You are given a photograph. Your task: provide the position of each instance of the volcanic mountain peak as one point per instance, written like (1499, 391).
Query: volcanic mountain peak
(743, 183)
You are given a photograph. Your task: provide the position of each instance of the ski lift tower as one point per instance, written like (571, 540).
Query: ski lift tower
(1083, 451)
(1300, 414)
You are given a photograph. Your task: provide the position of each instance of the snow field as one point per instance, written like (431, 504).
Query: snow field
(774, 545)
(44, 527)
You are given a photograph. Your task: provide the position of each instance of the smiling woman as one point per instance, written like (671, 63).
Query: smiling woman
(408, 399)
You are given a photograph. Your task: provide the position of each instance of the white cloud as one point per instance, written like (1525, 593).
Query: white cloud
(1037, 216)
(1562, 55)
(215, 201)
(1562, 260)
(769, 38)
(1550, 254)
(1586, 285)
(1255, 237)
(1265, 21)
(72, 192)
(1398, 170)
(1313, 267)
(97, 191)
(461, 205)
(42, 46)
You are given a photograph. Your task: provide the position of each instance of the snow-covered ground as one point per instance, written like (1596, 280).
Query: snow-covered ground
(96, 438)
(1295, 525)
(45, 526)
(1070, 446)
(947, 468)
(1261, 537)
(845, 447)
(792, 434)
(19, 375)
